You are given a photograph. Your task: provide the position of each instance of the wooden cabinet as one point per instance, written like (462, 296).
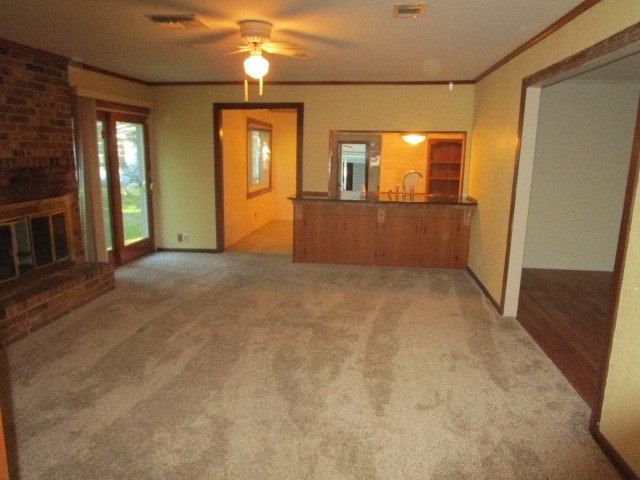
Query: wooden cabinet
(398, 237)
(393, 234)
(445, 237)
(328, 232)
(444, 171)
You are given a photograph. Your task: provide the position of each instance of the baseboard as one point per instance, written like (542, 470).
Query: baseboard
(188, 250)
(612, 454)
(495, 304)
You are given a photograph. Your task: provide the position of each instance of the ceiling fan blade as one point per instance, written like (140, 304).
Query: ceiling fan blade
(310, 37)
(214, 39)
(288, 49)
(243, 49)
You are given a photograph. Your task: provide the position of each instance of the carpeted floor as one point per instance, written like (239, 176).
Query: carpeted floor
(246, 366)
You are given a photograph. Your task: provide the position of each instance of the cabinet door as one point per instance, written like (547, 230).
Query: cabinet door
(399, 241)
(437, 246)
(444, 241)
(315, 234)
(462, 234)
(356, 239)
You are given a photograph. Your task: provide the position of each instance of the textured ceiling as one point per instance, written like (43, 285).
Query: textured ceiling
(352, 40)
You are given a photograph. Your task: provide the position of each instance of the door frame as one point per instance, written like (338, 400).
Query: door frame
(340, 145)
(218, 160)
(615, 47)
(122, 253)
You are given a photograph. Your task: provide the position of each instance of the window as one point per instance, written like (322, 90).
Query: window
(258, 157)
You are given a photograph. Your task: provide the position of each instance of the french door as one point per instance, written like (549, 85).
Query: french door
(125, 185)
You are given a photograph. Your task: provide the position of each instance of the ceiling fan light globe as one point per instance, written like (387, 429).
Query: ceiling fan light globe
(256, 66)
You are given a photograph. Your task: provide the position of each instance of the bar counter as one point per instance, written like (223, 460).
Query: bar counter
(382, 229)
(389, 197)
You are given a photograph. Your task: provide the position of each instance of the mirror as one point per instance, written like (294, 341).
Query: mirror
(384, 161)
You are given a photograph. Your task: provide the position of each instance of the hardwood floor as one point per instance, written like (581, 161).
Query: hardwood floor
(274, 237)
(566, 314)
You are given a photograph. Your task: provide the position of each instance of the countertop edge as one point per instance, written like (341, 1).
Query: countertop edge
(375, 199)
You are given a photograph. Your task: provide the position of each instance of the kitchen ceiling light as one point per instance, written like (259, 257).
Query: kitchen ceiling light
(413, 138)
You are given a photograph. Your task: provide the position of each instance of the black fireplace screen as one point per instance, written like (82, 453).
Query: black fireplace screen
(32, 242)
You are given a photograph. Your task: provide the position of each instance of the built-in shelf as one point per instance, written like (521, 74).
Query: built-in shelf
(444, 166)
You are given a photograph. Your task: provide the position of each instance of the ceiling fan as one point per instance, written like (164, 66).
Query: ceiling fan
(256, 36)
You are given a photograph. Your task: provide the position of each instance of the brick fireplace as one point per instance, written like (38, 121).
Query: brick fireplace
(43, 272)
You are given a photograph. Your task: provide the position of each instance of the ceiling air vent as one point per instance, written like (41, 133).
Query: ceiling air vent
(177, 22)
(409, 10)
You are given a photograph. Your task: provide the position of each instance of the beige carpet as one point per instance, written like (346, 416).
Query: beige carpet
(246, 366)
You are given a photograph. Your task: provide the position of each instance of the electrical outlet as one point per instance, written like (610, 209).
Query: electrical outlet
(185, 237)
(180, 237)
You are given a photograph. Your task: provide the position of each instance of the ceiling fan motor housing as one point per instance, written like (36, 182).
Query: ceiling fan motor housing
(254, 31)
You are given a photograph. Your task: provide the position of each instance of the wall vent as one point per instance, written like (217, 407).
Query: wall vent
(409, 10)
(177, 22)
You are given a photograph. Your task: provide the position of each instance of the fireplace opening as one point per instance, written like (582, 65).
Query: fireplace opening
(32, 241)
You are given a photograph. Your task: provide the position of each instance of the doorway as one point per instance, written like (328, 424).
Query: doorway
(241, 215)
(125, 186)
(541, 282)
(354, 165)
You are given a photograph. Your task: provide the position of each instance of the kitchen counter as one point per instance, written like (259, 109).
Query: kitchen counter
(423, 231)
(380, 197)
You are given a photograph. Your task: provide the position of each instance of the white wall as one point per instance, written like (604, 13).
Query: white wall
(583, 147)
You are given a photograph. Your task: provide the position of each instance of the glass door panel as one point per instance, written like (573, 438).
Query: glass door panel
(104, 186)
(124, 168)
(132, 173)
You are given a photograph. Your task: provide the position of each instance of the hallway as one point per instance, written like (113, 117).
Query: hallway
(274, 237)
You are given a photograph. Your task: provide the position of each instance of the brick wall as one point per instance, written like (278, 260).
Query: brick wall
(37, 303)
(37, 162)
(36, 140)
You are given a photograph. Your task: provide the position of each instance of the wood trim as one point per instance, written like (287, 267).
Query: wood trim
(122, 253)
(187, 250)
(622, 467)
(106, 106)
(4, 467)
(618, 272)
(218, 162)
(554, 27)
(310, 83)
(91, 68)
(483, 288)
(265, 127)
(262, 191)
(299, 148)
(512, 205)
(217, 175)
(615, 42)
(619, 40)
